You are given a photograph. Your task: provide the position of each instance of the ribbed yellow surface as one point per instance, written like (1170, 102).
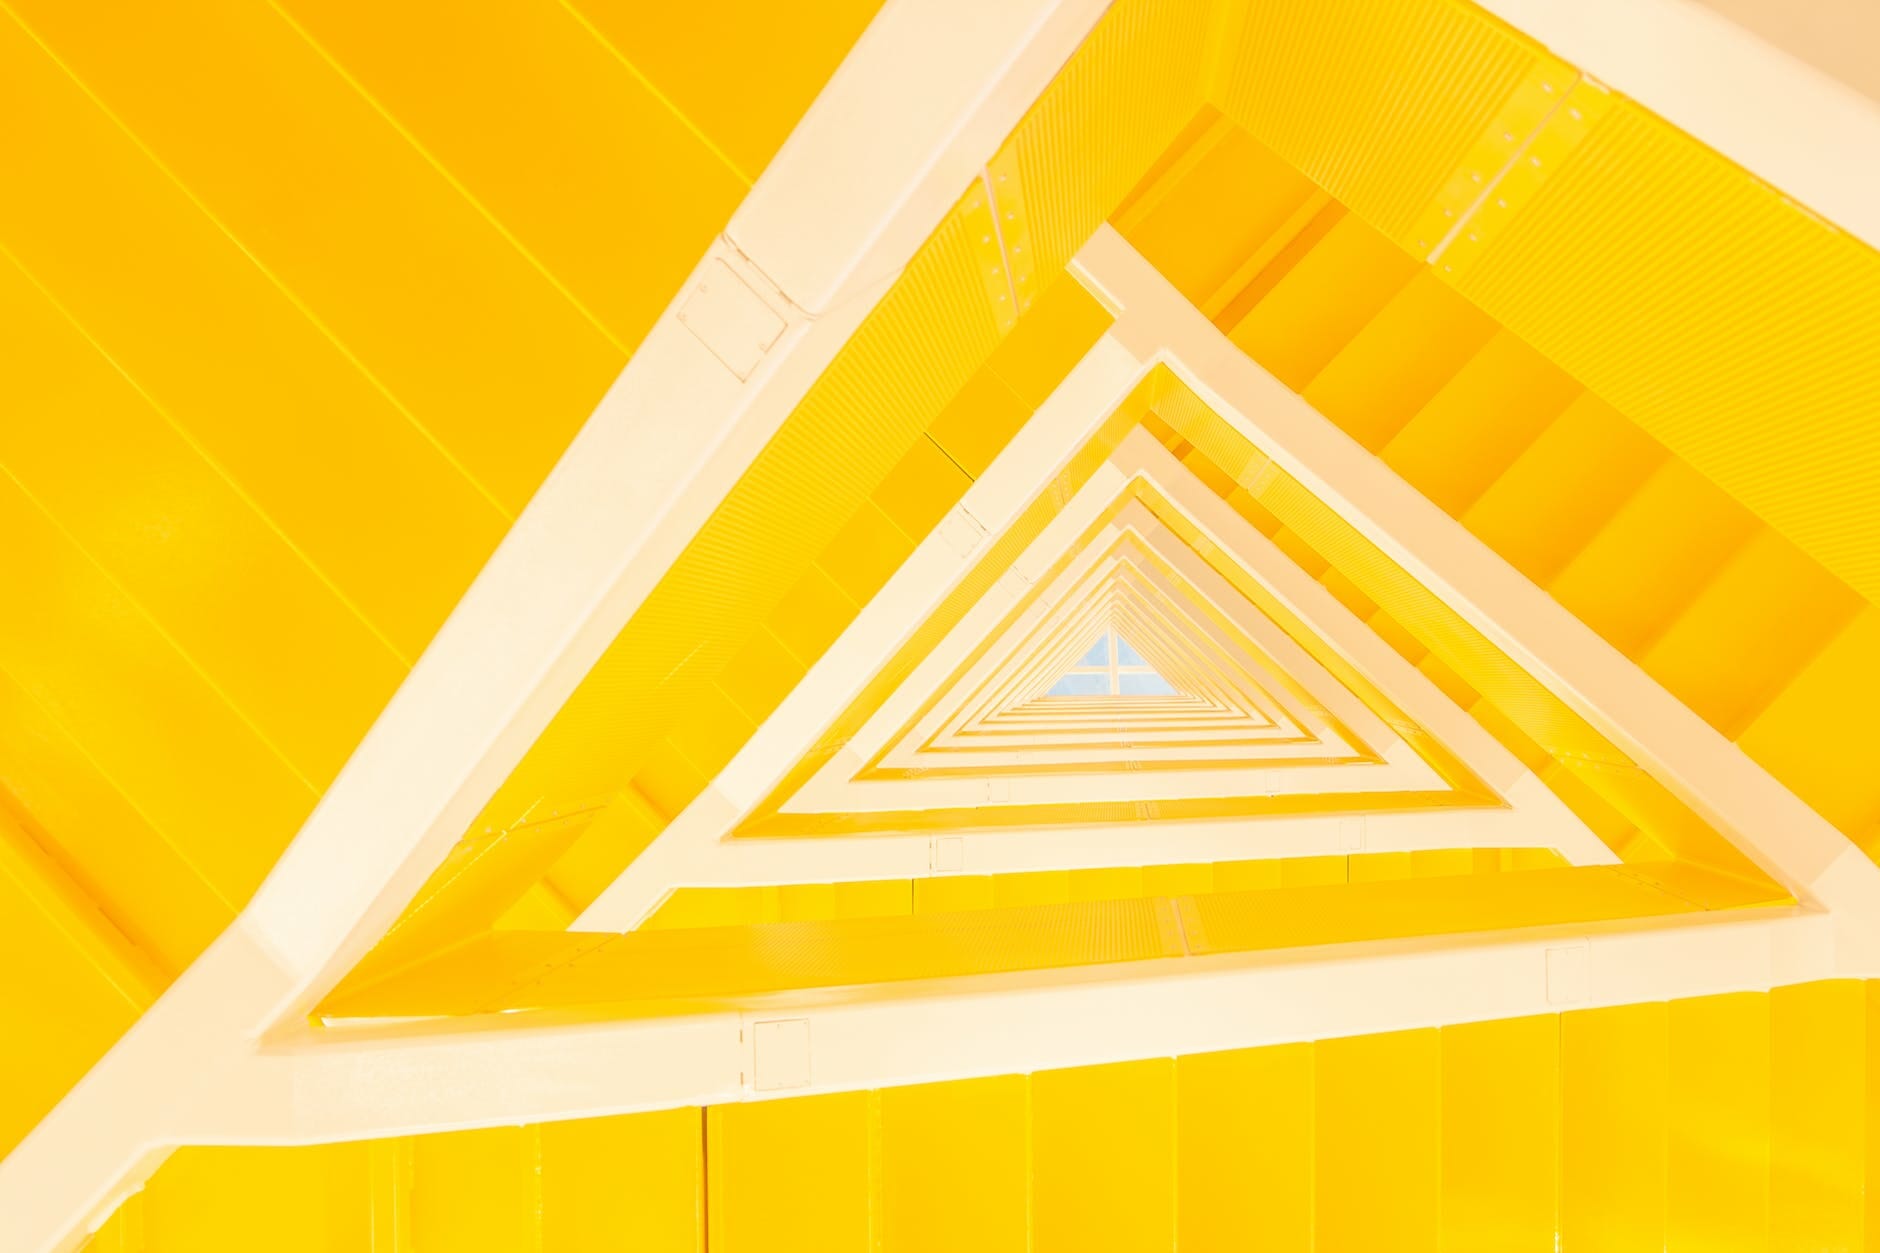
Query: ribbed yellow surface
(1116, 106)
(1661, 1126)
(1734, 327)
(1378, 103)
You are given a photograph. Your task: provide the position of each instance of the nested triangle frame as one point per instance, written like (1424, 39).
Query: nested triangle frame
(1343, 755)
(1294, 728)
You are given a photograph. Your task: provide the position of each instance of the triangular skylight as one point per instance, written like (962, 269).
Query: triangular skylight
(1111, 667)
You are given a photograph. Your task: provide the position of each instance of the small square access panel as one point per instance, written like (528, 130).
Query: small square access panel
(730, 319)
(780, 1055)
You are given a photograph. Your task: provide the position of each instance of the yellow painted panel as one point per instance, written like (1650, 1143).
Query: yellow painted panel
(207, 781)
(1103, 1158)
(147, 887)
(1109, 883)
(760, 675)
(976, 424)
(1400, 90)
(1479, 422)
(1054, 333)
(1501, 1135)
(947, 894)
(1246, 876)
(1655, 555)
(716, 907)
(177, 305)
(806, 902)
(1244, 1140)
(954, 1173)
(1038, 887)
(123, 1232)
(1818, 1052)
(1378, 1108)
(668, 780)
(540, 908)
(1816, 736)
(811, 615)
(1765, 616)
(136, 499)
(883, 898)
(791, 1175)
(477, 1189)
(710, 731)
(1216, 212)
(1347, 592)
(865, 553)
(1323, 301)
(480, 883)
(474, 341)
(1401, 358)
(577, 157)
(634, 1183)
(1177, 880)
(225, 1200)
(920, 489)
(1717, 1180)
(1297, 872)
(1613, 1104)
(746, 86)
(41, 886)
(1746, 338)
(59, 1015)
(1871, 1110)
(616, 836)
(1558, 493)
(1377, 867)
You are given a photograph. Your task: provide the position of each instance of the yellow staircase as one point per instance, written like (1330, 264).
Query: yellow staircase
(1739, 624)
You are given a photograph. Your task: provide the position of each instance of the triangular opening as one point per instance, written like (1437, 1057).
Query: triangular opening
(1111, 666)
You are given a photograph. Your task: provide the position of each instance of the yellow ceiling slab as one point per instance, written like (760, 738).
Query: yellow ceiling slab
(570, 151)
(228, 357)
(142, 506)
(145, 886)
(419, 288)
(744, 88)
(213, 785)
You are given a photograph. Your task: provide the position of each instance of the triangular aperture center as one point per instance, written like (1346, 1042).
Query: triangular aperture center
(1111, 666)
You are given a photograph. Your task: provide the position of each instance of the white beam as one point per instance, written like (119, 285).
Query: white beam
(397, 1080)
